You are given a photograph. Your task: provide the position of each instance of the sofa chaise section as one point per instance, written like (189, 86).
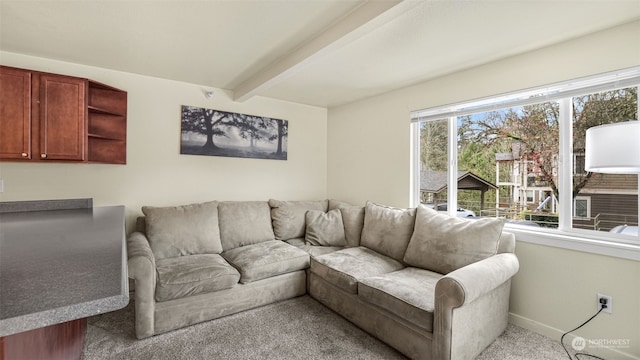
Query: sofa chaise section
(447, 296)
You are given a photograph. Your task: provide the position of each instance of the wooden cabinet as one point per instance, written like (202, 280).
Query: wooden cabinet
(15, 114)
(49, 117)
(62, 118)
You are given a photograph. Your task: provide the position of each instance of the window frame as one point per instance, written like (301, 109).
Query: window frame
(565, 236)
(587, 199)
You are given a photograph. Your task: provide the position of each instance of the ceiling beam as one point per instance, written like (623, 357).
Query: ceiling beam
(364, 19)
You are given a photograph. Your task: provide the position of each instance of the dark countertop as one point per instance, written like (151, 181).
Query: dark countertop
(61, 265)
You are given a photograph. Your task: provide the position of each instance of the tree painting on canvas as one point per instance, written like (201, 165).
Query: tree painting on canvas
(221, 133)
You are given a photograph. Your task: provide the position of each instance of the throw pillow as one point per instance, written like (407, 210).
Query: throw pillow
(325, 229)
(444, 243)
(387, 230)
(183, 230)
(288, 217)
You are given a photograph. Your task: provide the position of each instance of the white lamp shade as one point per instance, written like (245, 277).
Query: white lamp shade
(613, 148)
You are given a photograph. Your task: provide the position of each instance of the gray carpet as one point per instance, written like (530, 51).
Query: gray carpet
(299, 328)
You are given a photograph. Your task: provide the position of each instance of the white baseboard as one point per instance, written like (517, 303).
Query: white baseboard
(608, 353)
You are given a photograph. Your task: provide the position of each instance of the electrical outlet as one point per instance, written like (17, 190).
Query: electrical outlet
(606, 300)
(1, 185)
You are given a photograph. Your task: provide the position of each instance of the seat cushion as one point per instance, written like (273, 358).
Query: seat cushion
(244, 223)
(183, 230)
(194, 274)
(289, 216)
(408, 293)
(444, 243)
(387, 230)
(266, 259)
(313, 250)
(346, 267)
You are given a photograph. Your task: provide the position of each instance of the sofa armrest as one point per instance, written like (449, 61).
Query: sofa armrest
(138, 253)
(142, 268)
(483, 276)
(478, 295)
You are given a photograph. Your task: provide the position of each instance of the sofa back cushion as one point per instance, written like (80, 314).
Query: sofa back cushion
(353, 220)
(325, 228)
(183, 230)
(444, 243)
(244, 223)
(507, 243)
(387, 230)
(289, 217)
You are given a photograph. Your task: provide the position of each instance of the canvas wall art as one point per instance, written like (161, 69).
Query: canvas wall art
(221, 133)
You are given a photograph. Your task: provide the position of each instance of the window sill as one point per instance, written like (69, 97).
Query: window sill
(617, 246)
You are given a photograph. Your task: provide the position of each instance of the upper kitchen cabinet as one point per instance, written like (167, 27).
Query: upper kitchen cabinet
(15, 113)
(49, 117)
(63, 121)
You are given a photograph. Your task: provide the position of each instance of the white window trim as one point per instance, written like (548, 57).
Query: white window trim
(607, 244)
(588, 200)
(622, 246)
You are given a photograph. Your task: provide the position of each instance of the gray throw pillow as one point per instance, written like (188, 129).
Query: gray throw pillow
(288, 217)
(444, 243)
(325, 229)
(183, 230)
(387, 230)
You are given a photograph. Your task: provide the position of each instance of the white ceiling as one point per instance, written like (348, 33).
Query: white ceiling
(317, 52)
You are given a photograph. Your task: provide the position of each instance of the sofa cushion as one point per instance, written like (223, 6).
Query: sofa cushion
(244, 223)
(183, 230)
(387, 230)
(192, 275)
(346, 267)
(289, 216)
(266, 259)
(325, 228)
(408, 293)
(313, 250)
(353, 220)
(444, 243)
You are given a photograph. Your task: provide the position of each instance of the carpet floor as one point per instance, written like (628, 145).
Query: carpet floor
(299, 328)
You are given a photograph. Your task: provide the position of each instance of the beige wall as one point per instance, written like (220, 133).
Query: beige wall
(369, 159)
(156, 173)
(556, 290)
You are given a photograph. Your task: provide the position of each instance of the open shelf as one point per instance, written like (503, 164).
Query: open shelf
(107, 151)
(107, 124)
(103, 111)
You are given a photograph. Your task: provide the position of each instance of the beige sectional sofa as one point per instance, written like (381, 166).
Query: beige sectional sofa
(428, 284)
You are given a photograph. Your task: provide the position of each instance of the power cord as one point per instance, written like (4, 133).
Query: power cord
(603, 305)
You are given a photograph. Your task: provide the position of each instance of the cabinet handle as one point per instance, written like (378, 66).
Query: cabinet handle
(25, 154)
(44, 156)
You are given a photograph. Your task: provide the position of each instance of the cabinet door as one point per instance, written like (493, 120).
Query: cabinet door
(62, 118)
(15, 113)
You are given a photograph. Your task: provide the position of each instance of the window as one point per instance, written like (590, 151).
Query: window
(582, 207)
(503, 156)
